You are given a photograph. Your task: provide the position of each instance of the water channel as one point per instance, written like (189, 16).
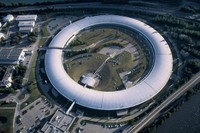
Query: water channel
(185, 120)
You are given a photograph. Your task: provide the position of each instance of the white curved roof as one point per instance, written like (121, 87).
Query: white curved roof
(143, 91)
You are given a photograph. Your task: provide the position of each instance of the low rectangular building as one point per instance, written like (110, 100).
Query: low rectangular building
(26, 23)
(11, 56)
(25, 29)
(59, 123)
(26, 18)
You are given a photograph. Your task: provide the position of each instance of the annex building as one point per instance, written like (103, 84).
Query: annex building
(26, 23)
(59, 123)
(9, 56)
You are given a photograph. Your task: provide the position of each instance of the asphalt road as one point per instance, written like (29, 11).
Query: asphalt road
(191, 83)
(96, 5)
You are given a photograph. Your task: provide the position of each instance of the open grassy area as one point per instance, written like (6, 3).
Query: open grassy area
(110, 80)
(140, 70)
(90, 64)
(6, 120)
(125, 62)
(34, 92)
(10, 104)
(143, 64)
(77, 68)
(108, 37)
(102, 35)
(44, 30)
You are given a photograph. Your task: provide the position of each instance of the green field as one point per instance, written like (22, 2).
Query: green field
(90, 64)
(32, 85)
(106, 37)
(103, 35)
(6, 115)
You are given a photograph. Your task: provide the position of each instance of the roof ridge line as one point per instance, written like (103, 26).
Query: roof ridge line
(150, 86)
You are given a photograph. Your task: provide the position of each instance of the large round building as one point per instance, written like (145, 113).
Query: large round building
(146, 89)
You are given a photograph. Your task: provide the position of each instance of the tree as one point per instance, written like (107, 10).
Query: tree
(114, 1)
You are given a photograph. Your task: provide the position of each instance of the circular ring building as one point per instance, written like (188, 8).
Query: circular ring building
(146, 89)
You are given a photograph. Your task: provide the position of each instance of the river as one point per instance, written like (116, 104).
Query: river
(185, 120)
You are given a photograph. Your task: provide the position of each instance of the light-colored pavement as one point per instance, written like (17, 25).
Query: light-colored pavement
(35, 114)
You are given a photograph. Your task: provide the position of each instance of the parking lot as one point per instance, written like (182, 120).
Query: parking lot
(99, 128)
(59, 23)
(35, 114)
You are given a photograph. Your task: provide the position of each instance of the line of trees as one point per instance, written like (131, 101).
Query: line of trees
(18, 75)
(2, 71)
(18, 4)
(170, 2)
(32, 37)
(185, 33)
(76, 42)
(15, 38)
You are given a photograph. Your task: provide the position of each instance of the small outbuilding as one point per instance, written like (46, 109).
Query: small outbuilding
(26, 23)
(26, 18)
(8, 18)
(2, 36)
(25, 29)
(90, 80)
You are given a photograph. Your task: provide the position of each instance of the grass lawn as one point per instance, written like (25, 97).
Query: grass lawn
(109, 34)
(44, 30)
(21, 96)
(6, 120)
(4, 104)
(110, 79)
(35, 93)
(89, 64)
(126, 61)
(140, 70)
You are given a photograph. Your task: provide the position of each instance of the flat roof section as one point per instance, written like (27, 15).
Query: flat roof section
(26, 17)
(146, 89)
(8, 55)
(26, 29)
(60, 123)
(26, 23)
